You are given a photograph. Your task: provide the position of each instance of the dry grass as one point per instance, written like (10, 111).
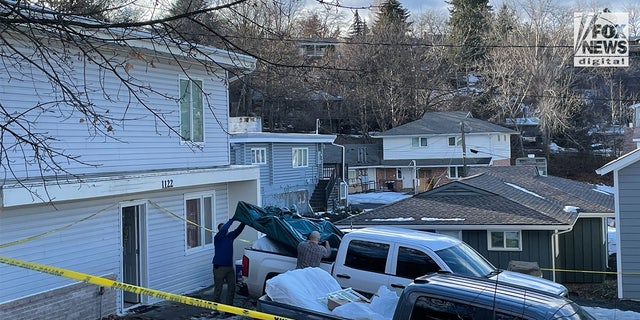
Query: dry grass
(606, 291)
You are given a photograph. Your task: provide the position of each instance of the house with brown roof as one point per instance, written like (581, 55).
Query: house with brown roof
(512, 214)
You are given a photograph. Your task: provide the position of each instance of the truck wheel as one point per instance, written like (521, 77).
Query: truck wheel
(264, 285)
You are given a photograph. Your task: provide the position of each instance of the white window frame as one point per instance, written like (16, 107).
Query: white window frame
(191, 120)
(258, 155)
(204, 220)
(419, 142)
(504, 246)
(458, 172)
(299, 157)
(458, 141)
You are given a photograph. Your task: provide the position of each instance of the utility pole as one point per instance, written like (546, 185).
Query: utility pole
(464, 151)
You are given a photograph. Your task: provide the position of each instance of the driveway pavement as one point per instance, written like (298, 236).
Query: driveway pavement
(169, 310)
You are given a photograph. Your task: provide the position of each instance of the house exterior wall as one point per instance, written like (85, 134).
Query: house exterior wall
(628, 230)
(282, 184)
(583, 249)
(94, 245)
(536, 246)
(496, 145)
(149, 143)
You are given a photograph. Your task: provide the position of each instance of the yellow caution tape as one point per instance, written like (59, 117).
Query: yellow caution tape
(138, 290)
(590, 271)
(186, 220)
(13, 243)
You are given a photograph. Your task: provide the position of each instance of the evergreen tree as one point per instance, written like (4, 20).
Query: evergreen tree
(358, 27)
(196, 27)
(97, 9)
(469, 28)
(392, 16)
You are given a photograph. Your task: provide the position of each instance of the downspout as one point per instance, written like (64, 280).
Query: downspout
(342, 182)
(554, 242)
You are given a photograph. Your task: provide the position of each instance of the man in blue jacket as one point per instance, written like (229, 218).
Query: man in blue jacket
(223, 264)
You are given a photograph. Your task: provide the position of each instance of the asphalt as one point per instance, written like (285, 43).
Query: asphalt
(169, 310)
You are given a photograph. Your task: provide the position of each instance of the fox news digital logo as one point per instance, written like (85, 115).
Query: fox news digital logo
(600, 39)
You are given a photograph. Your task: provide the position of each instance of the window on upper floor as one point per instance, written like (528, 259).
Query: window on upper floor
(418, 142)
(300, 157)
(455, 141)
(456, 172)
(191, 111)
(258, 155)
(199, 211)
(505, 240)
(362, 154)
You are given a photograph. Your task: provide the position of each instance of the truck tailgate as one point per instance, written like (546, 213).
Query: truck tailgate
(266, 305)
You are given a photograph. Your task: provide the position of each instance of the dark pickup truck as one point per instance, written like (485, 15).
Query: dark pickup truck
(441, 296)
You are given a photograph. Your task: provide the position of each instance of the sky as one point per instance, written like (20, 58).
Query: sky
(417, 7)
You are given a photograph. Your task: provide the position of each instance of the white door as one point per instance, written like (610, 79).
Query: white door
(132, 250)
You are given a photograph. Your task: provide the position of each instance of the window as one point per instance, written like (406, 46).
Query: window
(418, 142)
(455, 141)
(258, 155)
(505, 240)
(456, 172)
(398, 173)
(191, 111)
(362, 154)
(367, 256)
(199, 214)
(413, 263)
(300, 157)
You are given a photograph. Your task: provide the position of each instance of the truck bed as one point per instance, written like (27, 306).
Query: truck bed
(266, 305)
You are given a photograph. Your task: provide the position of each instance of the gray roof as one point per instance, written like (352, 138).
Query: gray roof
(440, 162)
(433, 123)
(371, 147)
(510, 196)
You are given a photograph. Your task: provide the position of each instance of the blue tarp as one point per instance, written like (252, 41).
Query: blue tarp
(285, 227)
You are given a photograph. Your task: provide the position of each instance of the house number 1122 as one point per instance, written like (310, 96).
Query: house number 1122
(167, 183)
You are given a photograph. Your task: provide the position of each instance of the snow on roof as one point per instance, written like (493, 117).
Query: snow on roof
(524, 190)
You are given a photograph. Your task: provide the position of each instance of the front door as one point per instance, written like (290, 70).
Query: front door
(131, 249)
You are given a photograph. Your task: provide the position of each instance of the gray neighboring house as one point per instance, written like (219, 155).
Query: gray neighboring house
(292, 172)
(363, 156)
(512, 214)
(626, 179)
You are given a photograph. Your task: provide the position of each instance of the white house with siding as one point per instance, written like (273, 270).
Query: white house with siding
(626, 181)
(438, 147)
(126, 209)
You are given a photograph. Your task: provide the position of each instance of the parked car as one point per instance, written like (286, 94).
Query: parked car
(370, 257)
(445, 296)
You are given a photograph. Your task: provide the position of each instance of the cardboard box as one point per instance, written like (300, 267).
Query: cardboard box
(344, 296)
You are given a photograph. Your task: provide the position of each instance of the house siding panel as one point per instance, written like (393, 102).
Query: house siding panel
(100, 254)
(138, 143)
(287, 179)
(536, 246)
(582, 249)
(398, 148)
(628, 228)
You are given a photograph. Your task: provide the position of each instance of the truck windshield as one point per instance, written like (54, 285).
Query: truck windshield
(462, 259)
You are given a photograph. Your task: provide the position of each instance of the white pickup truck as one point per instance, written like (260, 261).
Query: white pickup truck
(370, 257)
